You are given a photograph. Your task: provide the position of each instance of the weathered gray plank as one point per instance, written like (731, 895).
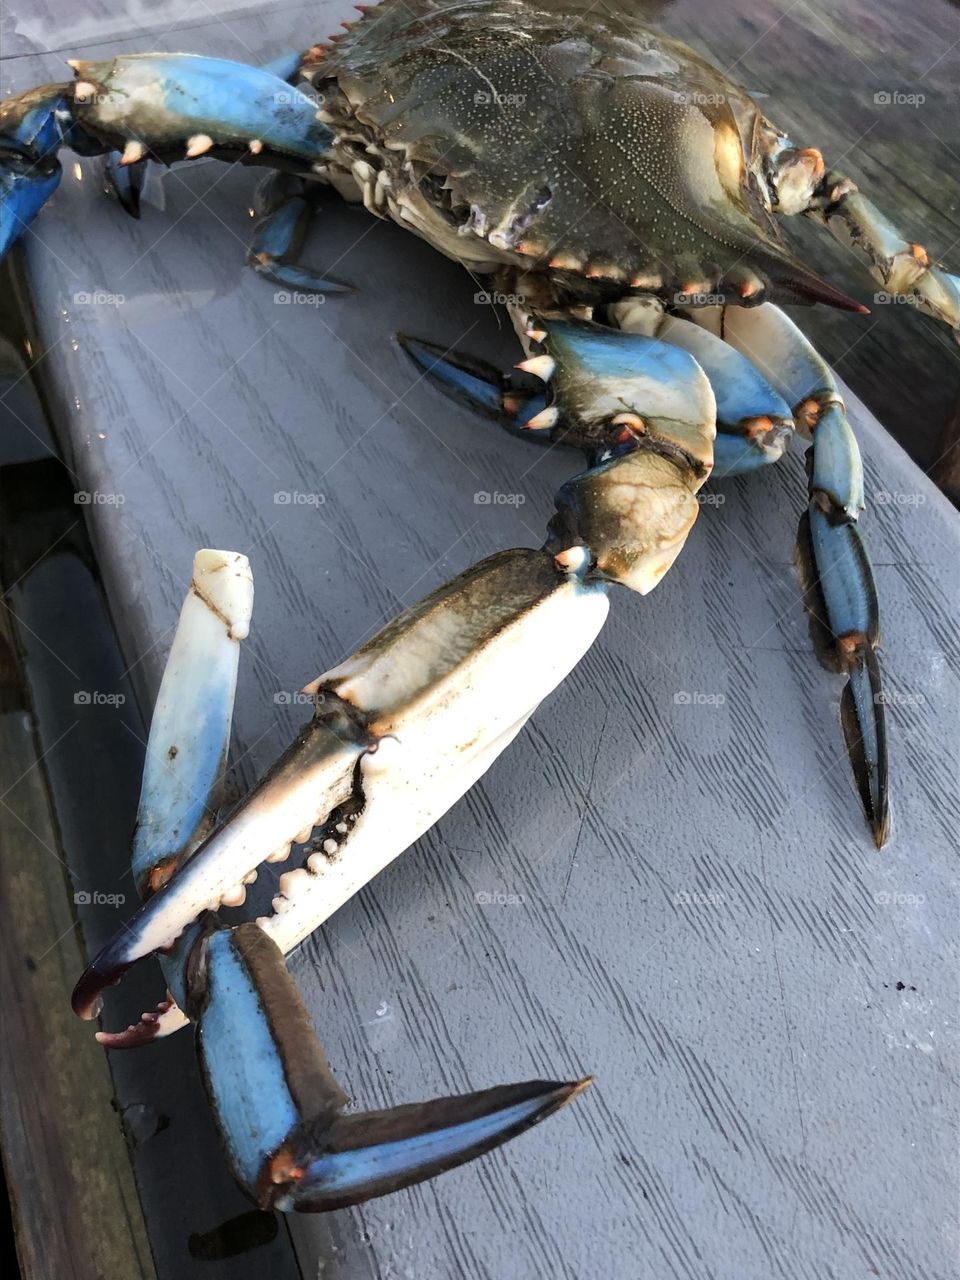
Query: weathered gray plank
(75, 1207)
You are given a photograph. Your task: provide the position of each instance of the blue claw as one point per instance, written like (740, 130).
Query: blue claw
(279, 236)
(481, 386)
(278, 1105)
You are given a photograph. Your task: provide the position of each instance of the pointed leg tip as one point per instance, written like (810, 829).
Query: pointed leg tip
(575, 1088)
(881, 830)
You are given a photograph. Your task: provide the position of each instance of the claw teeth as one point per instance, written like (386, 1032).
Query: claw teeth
(198, 145)
(235, 896)
(250, 877)
(330, 846)
(540, 366)
(289, 882)
(256, 146)
(536, 335)
(342, 828)
(544, 419)
(281, 854)
(303, 836)
(132, 152)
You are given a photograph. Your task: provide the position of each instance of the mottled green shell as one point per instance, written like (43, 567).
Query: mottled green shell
(587, 142)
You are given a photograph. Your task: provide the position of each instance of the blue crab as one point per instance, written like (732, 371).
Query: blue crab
(625, 196)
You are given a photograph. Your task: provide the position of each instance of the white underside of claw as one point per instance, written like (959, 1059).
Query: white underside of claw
(443, 712)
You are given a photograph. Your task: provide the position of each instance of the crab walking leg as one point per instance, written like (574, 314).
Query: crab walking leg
(401, 730)
(159, 106)
(278, 238)
(901, 266)
(274, 1098)
(278, 1105)
(841, 592)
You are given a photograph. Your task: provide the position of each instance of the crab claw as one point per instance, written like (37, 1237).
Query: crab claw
(482, 386)
(278, 1105)
(402, 729)
(30, 136)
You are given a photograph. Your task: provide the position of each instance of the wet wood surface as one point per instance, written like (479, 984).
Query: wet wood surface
(666, 880)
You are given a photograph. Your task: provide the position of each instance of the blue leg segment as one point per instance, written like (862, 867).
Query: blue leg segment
(279, 1107)
(840, 590)
(279, 237)
(754, 422)
(127, 181)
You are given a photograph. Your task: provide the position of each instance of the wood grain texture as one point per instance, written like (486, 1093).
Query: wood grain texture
(693, 909)
(75, 1205)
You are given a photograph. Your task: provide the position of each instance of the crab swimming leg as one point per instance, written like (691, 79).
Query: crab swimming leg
(159, 106)
(841, 594)
(901, 266)
(274, 1098)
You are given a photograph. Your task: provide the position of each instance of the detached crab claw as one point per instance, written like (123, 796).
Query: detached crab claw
(402, 729)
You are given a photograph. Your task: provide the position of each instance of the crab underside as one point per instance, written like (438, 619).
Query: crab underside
(626, 195)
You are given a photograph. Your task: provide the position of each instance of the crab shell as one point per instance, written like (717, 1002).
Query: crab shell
(605, 155)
